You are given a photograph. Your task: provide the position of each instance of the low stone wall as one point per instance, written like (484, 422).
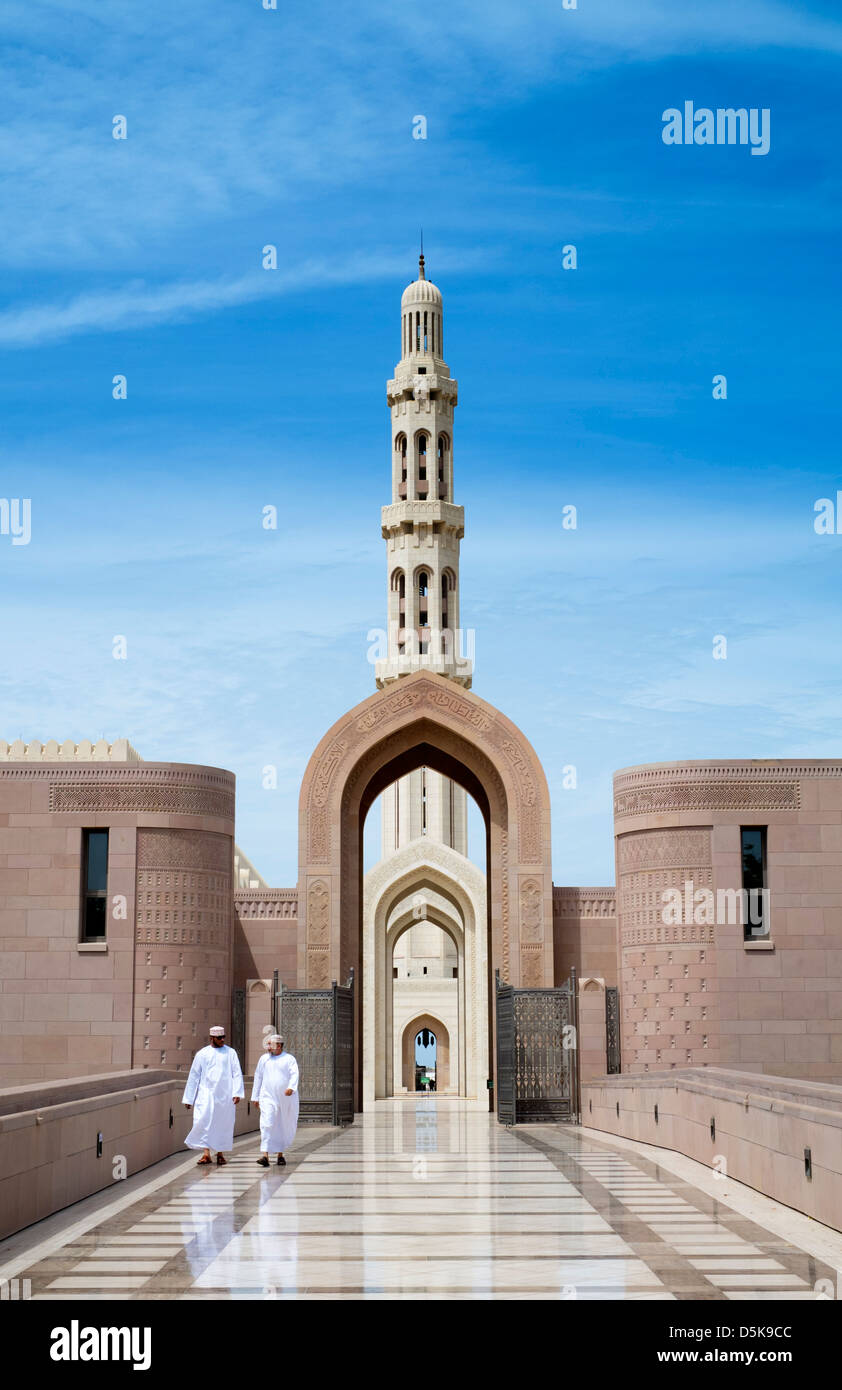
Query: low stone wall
(48, 1137)
(762, 1126)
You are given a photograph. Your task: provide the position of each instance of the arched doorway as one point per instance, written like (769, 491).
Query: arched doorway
(425, 881)
(440, 1035)
(424, 722)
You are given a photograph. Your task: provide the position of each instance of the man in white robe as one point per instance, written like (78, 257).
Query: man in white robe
(215, 1084)
(275, 1093)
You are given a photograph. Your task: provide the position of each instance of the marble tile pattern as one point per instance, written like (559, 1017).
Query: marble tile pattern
(425, 1200)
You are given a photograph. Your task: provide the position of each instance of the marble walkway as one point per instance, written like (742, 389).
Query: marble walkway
(418, 1200)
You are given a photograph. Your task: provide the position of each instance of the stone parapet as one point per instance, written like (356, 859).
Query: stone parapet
(49, 1138)
(120, 751)
(765, 1131)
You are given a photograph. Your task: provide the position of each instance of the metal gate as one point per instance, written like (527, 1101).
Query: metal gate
(537, 1053)
(612, 1029)
(318, 1029)
(238, 1024)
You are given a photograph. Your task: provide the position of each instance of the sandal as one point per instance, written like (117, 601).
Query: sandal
(220, 1161)
(203, 1161)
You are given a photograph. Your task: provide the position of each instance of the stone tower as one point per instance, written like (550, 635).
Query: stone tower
(422, 527)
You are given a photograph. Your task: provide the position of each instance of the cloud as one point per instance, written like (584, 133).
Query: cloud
(140, 305)
(238, 113)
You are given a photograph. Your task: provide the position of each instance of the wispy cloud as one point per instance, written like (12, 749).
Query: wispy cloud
(140, 305)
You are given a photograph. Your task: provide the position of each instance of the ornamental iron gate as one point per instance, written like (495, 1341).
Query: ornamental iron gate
(612, 1029)
(537, 1053)
(318, 1029)
(238, 1024)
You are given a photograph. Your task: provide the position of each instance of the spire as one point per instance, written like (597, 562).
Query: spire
(421, 275)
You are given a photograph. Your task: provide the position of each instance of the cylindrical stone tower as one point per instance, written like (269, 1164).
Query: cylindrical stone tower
(422, 528)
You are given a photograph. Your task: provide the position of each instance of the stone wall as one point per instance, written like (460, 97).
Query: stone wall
(752, 1128)
(143, 996)
(696, 993)
(48, 1138)
(585, 933)
(266, 936)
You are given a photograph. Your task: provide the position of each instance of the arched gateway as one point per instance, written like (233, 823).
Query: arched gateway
(423, 720)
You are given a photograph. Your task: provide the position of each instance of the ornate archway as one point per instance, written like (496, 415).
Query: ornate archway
(453, 891)
(424, 721)
(442, 1036)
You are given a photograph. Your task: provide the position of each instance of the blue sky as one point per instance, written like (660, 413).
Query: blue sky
(590, 387)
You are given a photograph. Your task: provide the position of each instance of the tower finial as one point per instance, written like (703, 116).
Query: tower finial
(421, 274)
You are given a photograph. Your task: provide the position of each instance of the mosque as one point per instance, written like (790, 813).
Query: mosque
(131, 918)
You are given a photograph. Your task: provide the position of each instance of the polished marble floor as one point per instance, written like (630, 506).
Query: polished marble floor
(421, 1200)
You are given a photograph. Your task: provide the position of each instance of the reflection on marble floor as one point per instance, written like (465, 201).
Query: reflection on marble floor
(425, 1201)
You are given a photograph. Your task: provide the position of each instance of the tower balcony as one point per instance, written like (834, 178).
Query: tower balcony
(423, 510)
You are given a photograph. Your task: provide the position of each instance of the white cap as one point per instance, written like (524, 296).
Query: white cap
(217, 1032)
(274, 1037)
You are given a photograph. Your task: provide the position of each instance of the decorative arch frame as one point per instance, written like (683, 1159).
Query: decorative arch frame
(424, 721)
(443, 1047)
(457, 902)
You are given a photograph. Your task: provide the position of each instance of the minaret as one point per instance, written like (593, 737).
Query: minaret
(422, 528)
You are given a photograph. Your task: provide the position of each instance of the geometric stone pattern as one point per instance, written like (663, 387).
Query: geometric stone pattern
(668, 1003)
(168, 799)
(707, 796)
(650, 862)
(584, 902)
(182, 942)
(277, 903)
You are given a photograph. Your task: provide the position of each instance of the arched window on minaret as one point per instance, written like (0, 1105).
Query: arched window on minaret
(400, 465)
(450, 611)
(423, 611)
(442, 462)
(423, 486)
(397, 607)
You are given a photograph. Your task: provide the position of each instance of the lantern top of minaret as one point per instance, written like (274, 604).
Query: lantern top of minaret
(422, 290)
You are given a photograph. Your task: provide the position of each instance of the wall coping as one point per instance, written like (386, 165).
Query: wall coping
(116, 1088)
(756, 769)
(811, 1100)
(40, 1094)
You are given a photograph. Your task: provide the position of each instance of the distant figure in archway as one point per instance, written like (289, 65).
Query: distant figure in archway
(275, 1093)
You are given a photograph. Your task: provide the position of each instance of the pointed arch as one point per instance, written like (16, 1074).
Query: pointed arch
(424, 721)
